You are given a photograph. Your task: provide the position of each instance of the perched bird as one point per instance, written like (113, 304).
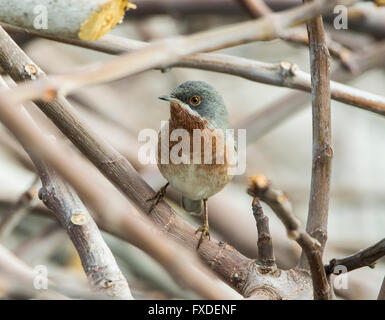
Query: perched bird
(197, 105)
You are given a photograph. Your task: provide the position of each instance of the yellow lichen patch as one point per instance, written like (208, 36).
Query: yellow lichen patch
(104, 19)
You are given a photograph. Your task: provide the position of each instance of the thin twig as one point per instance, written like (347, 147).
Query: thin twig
(322, 151)
(26, 202)
(265, 244)
(260, 187)
(364, 258)
(381, 294)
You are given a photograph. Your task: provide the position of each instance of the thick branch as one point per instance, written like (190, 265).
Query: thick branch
(78, 19)
(260, 187)
(364, 258)
(322, 151)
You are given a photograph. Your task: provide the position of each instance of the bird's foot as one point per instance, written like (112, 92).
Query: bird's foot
(158, 196)
(204, 230)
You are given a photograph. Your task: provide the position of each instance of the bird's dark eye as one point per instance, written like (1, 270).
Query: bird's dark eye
(195, 100)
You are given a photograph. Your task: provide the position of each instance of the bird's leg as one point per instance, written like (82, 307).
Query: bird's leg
(205, 228)
(158, 196)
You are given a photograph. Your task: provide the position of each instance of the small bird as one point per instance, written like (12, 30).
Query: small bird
(197, 105)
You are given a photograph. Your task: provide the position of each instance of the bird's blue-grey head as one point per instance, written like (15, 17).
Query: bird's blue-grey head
(200, 98)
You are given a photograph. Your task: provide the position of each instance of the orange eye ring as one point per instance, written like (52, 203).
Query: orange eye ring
(195, 100)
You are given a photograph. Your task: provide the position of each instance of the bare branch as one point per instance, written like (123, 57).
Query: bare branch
(364, 258)
(265, 244)
(81, 19)
(381, 294)
(322, 151)
(26, 202)
(260, 187)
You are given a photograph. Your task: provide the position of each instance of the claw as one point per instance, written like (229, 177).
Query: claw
(204, 230)
(158, 196)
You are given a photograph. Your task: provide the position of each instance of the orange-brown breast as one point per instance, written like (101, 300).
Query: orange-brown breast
(196, 181)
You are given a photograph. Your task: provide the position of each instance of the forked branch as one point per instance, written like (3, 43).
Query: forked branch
(260, 187)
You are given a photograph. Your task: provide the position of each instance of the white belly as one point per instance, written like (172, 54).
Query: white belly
(194, 181)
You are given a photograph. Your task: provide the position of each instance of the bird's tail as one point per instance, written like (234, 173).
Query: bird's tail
(194, 207)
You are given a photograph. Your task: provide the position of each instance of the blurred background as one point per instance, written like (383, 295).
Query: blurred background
(120, 109)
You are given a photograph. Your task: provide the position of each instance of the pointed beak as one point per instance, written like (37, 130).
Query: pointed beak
(169, 98)
(165, 97)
